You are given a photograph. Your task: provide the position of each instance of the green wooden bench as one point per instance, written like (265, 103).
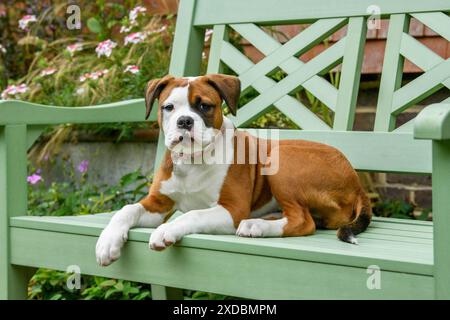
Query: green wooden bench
(413, 256)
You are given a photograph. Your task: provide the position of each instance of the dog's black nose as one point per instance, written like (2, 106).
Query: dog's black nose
(185, 122)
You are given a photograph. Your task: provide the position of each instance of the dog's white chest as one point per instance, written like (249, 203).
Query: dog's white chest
(195, 186)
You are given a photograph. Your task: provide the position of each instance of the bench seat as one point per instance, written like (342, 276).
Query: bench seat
(402, 249)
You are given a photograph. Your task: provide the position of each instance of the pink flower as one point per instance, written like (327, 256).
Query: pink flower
(34, 178)
(105, 48)
(124, 29)
(47, 72)
(208, 34)
(74, 47)
(13, 90)
(135, 37)
(93, 75)
(132, 69)
(83, 166)
(23, 23)
(134, 13)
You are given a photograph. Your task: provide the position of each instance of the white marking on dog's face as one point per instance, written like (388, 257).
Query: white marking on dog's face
(187, 139)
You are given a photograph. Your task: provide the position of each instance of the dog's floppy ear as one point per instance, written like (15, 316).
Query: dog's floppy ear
(152, 92)
(229, 88)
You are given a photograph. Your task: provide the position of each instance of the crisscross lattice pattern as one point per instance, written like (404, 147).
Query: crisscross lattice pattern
(393, 98)
(347, 51)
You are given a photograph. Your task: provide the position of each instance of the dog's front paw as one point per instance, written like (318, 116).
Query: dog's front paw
(254, 228)
(165, 236)
(109, 244)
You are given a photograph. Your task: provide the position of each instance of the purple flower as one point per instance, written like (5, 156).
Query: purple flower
(34, 178)
(83, 166)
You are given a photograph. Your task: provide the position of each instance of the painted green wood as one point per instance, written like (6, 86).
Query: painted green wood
(439, 22)
(215, 270)
(13, 202)
(16, 112)
(210, 12)
(321, 63)
(421, 87)
(318, 86)
(351, 74)
(166, 293)
(284, 55)
(33, 133)
(441, 217)
(419, 54)
(392, 72)
(220, 34)
(187, 44)
(290, 106)
(433, 122)
(385, 152)
(413, 254)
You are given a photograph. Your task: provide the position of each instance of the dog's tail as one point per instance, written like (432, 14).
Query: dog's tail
(363, 213)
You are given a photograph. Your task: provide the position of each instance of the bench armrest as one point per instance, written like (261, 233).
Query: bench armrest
(21, 112)
(433, 122)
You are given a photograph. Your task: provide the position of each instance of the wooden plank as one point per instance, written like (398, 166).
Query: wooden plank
(187, 44)
(311, 248)
(381, 238)
(215, 271)
(13, 202)
(433, 122)
(385, 152)
(441, 217)
(421, 87)
(419, 54)
(402, 221)
(33, 133)
(210, 12)
(437, 21)
(324, 61)
(391, 76)
(283, 55)
(166, 293)
(18, 112)
(220, 35)
(276, 53)
(351, 73)
(290, 106)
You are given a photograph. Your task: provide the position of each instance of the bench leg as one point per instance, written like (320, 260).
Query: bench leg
(14, 282)
(441, 217)
(166, 293)
(13, 201)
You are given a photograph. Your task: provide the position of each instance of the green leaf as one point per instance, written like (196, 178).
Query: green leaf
(94, 25)
(108, 283)
(57, 296)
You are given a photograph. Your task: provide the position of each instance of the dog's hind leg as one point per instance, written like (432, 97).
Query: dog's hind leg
(296, 221)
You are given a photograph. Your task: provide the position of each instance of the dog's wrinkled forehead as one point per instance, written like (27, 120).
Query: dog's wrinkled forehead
(191, 96)
(203, 95)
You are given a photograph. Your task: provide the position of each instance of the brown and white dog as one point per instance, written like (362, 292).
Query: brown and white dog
(314, 185)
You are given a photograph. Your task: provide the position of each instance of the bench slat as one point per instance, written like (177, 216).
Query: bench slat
(242, 275)
(209, 12)
(368, 151)
(395, 250)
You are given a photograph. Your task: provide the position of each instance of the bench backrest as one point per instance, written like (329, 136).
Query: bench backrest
(387, 148)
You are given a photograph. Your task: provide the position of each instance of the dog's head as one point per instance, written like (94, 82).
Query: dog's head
(190, 109)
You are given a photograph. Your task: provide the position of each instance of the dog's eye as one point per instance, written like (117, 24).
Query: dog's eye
(205, 107)
(168, 107)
